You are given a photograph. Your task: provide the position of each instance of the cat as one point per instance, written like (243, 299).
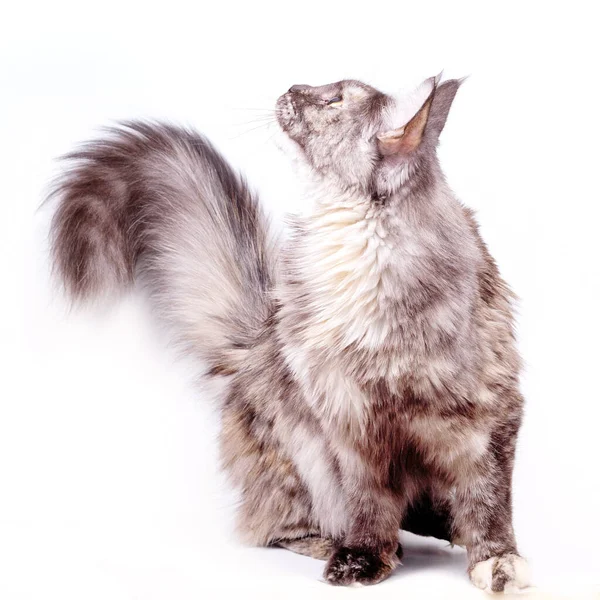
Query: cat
(372, 377)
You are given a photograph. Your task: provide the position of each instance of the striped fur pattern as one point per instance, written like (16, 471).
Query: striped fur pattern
(161, 203)
(372, 374)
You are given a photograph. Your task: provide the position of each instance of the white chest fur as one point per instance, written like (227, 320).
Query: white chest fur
(359, 264)
(342, 261)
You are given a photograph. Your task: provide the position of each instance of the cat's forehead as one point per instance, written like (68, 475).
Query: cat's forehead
(350, 88)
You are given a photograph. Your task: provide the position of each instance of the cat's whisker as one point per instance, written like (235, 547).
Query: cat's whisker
(269, 110)
(261, 126)
(257, 120)
(243, 128)
(265, 117)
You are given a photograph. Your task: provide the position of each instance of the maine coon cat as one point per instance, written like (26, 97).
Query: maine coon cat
(372, 375)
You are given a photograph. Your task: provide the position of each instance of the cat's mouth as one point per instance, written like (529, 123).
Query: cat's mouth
(285, 111)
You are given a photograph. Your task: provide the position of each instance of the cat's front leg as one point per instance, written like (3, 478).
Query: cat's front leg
(482, 514)
(369, 551)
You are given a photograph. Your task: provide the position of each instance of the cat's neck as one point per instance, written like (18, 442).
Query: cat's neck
(424, 192)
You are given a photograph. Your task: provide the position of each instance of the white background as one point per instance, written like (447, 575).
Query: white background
(109, 486)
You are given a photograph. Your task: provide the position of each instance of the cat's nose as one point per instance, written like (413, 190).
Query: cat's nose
(298, 88)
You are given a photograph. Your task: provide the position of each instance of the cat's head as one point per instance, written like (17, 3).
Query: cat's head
(359, 137)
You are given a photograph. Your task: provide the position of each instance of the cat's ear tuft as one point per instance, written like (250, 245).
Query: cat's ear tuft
(440, 107)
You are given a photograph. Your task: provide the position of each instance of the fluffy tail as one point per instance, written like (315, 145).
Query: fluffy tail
(160, 203)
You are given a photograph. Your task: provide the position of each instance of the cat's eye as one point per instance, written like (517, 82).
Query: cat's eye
(335, 101)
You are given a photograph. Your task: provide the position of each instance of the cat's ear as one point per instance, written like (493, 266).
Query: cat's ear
(406, 139)
(440, 107)
(428, 121)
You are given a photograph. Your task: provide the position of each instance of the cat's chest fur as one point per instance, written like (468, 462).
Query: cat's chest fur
(361, 276)
(375, 293)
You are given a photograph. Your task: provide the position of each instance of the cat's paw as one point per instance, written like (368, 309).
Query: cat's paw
(508, 574)
(358, 566)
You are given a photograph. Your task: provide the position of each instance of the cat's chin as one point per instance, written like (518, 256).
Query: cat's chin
(286, 114)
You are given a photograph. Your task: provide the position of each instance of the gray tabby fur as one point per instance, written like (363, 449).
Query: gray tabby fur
(372, 375)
